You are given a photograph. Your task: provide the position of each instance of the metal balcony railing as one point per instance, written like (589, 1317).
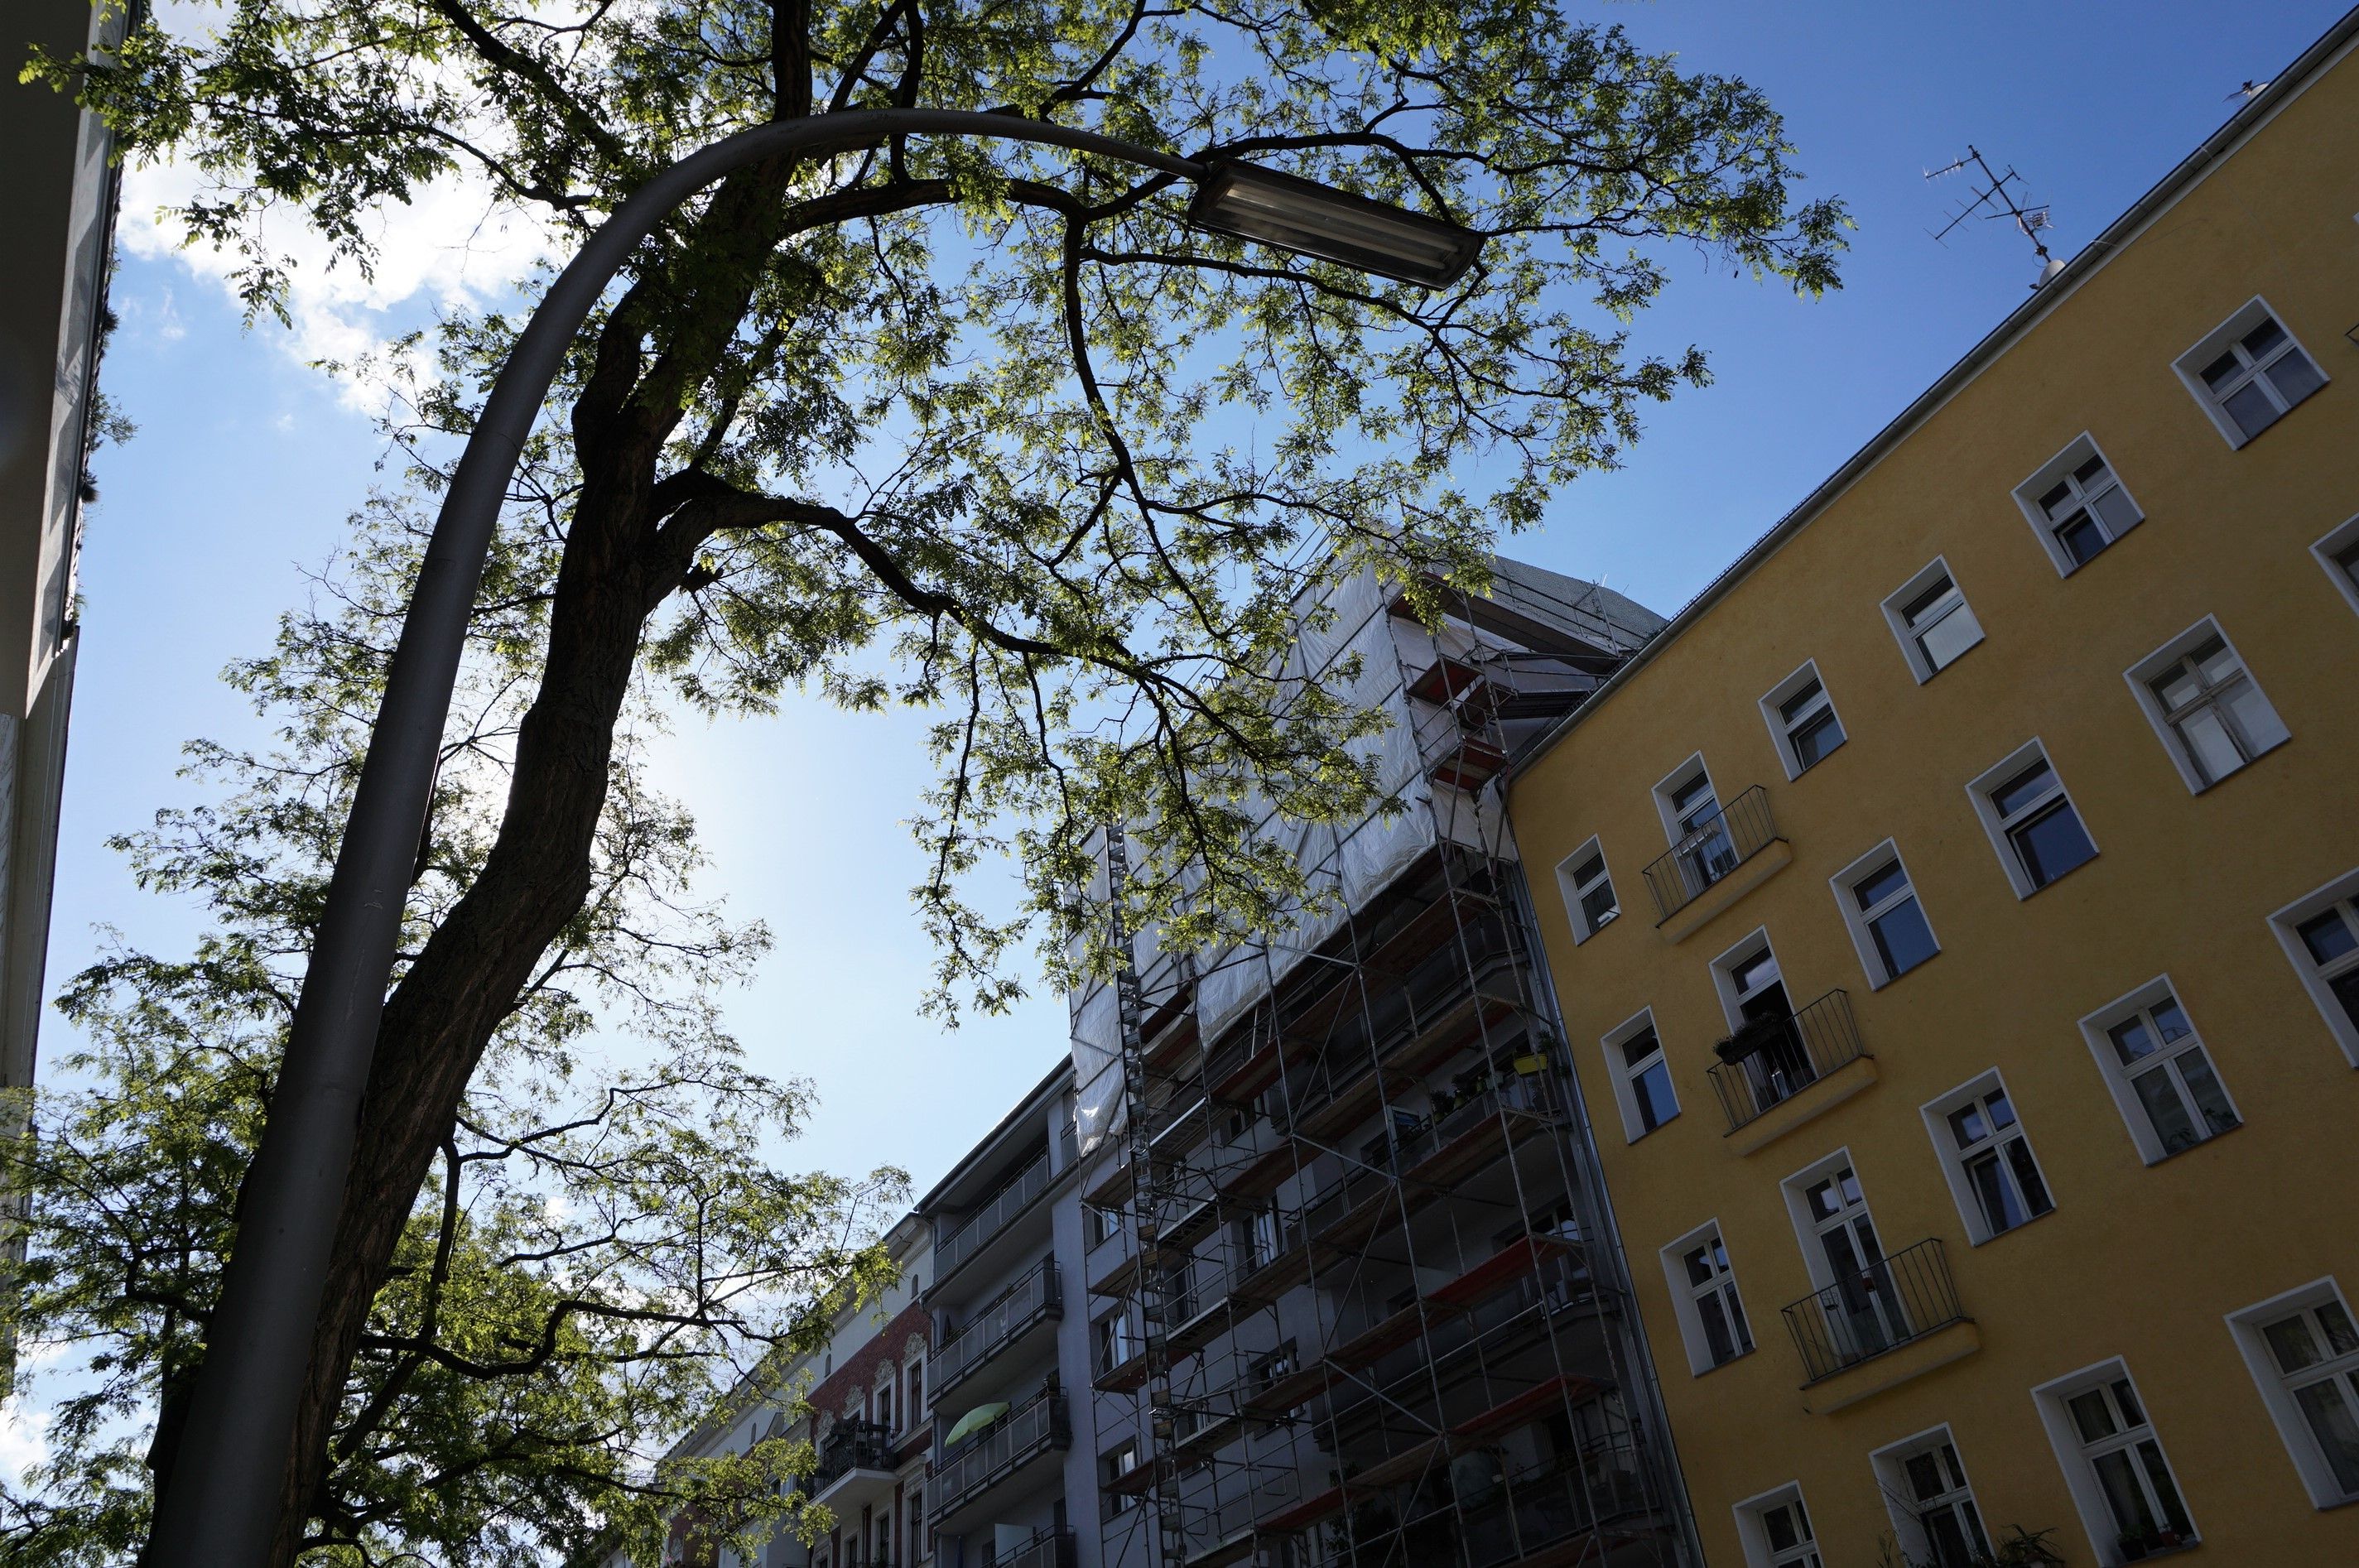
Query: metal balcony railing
(1740, 829)
(1047, 1548)
(852, 1446)
(992, 1217)
(1039, 1294)
(1773, 1059)
(991, 1455)
(1902, 1297)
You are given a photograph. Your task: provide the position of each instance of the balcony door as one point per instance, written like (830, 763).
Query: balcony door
(1779, 1065)
(1863, 1310)
(1706, 853)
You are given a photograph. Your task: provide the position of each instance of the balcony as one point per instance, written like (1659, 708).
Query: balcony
(1014, 1318)
(1771, 1060)
(1903, 1300)
(1047, 1548)
(855, 1467)
(998, 1454)
(1711, 858)
(995, 1216)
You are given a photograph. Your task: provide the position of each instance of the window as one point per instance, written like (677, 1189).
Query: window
(1763, 1037)
(1704, 1298)
(1879, 907)
(917, 1378)
(1859, 1301)
(2303, 1350)
(1100, 1226)
(2249, 372)
(1932, 1507)
(1114, 1464)
(1589, 900)
(2201, 701)
(1698, 832)
(2077, 505)
(1986, 1158)
(1776, 1530)
(1802, 721)
(1642, 1079)
(1118, 1340)
(1933, 620)
(918, 1539)
(1267, 1371)
(2114, 1463)
(2155, 1065)
(2338, 554)
(883, 1416)
(2320, 933)
(2031, 820)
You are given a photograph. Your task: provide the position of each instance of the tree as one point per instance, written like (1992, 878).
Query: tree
(603, 1243)
(969, 427)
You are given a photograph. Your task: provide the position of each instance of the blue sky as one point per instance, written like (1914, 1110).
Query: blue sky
(246, 462)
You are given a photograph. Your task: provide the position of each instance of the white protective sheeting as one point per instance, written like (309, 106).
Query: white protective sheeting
(1098, 1110)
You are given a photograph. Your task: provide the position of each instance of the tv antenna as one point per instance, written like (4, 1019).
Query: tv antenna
(1997, 197)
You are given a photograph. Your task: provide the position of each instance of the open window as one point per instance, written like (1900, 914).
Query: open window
(1704, 1298)
(2320, 933)
(2160, 1074)
(2077, 505)
(1803, 724)
(1880, 909)
(1986, 1157)
(1590, 903)
(2302, 1348)
(2205, 707)
(2031, 820)
(2248, 373)
(1641, 1075)
(1932, 621)
(2120, 1481)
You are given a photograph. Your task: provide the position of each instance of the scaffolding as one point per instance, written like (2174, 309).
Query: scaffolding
(1360, 1304)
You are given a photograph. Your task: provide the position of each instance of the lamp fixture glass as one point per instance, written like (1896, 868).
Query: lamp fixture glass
(1314, 220)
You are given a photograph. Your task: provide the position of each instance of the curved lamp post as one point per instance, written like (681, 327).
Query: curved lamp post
(220, 1508)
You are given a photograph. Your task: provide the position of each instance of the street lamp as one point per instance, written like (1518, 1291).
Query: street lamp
(1314, 220)
(221, 1507)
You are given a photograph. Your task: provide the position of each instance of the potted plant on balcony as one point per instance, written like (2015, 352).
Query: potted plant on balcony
(1752, 1036)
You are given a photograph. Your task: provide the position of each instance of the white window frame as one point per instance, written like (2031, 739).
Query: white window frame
(2095, 1030)
(1796, 1190)
(1781, 733)
(1936, 1113)
(2142, 676)
(1755, 1535)
(2342, 539)
(1582, 930)
(2003, 772)
(2247, 1326)
(1621, 1074)
(1895, 615)
(2056, 470)
(1855, 920)
(1684, 1295)
(2220, 340)
(1677, 779)
(2072, 1454)
(1730, 1004)
(2287, 923)
(1891, 1466)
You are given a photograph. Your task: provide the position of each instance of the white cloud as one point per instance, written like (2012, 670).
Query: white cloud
(23, 1439)
(440, 252)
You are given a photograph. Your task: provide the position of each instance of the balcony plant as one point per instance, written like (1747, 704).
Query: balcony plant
(2023, 1549)
(1753, 1036)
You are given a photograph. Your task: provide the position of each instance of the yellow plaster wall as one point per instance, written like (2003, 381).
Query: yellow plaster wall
(2136, 1262)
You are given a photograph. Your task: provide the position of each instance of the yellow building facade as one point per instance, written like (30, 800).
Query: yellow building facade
(1953, 925)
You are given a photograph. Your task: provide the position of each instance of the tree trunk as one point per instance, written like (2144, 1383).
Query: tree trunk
(442, 1017)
